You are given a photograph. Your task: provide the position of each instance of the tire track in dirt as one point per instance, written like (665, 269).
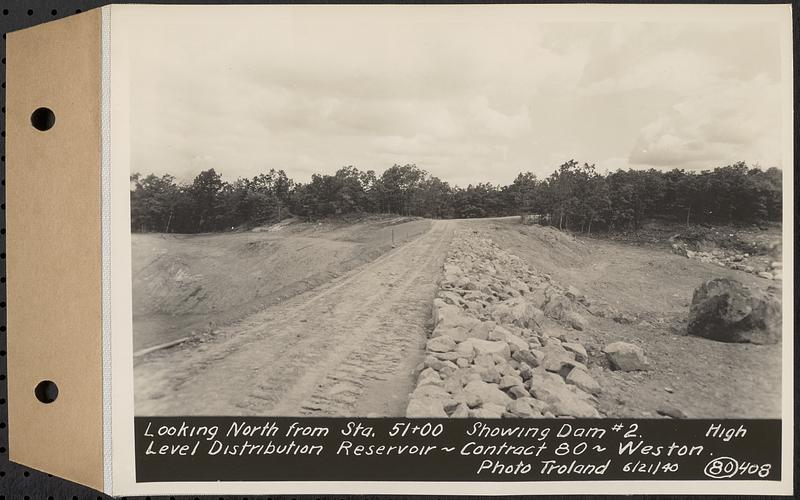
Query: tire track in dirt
(343, 349)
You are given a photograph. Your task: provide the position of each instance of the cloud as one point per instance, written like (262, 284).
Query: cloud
(675, 71)
(729, 123)
(471, 94)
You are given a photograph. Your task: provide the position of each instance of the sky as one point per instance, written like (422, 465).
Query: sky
(469, 95)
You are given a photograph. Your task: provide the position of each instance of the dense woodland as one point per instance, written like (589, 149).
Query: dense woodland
(574, 197)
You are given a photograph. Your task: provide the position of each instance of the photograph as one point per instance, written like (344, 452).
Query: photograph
(455, 212)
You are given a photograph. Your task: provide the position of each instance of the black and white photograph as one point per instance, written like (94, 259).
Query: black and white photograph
(457, 212)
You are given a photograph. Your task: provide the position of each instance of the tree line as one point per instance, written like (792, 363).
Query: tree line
(574, 197)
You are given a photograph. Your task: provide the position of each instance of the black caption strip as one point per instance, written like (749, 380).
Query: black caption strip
(336, 449)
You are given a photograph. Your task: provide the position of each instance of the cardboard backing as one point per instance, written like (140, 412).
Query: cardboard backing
(54, 271)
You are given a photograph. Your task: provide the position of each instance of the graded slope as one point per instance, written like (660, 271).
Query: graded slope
(346, 348)
(186, 285)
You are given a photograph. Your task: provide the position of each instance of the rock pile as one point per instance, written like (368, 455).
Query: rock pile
(490, 355)
(737, 261)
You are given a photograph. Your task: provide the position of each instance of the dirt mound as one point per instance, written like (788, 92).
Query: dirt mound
(186, 284)
(554, 248)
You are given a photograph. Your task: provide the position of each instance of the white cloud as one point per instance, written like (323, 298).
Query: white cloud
(469, 97)
(674, 71)
(726, 124)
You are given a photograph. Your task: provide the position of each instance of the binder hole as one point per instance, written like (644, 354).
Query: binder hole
(43, 119)
(54, 12)
(30, 12)
(46, 391)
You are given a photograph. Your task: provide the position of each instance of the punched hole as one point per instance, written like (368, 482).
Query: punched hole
(46, 391)
(43, 119)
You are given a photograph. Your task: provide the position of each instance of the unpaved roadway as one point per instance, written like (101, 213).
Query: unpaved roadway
(346, 348)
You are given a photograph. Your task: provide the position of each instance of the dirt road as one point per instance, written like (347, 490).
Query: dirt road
(346, 348)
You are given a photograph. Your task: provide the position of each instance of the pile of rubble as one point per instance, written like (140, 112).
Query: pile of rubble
(738, 261)
(490, 354)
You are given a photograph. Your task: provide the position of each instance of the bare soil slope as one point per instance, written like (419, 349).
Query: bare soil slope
(348, 347)
(184, 285)
(653, 287)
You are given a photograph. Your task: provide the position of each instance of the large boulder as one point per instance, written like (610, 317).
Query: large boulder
(581, 379)
(488, 347)
(429, 376)
(425, 408)
(489, 410)
(725, 310)
(514, 342)
(441, 344)
(521, 409)
(430, 392)
(519, 312)
(461, 411)
(626, 357)
(488, 393)
(578, 349)
(531, 358)
(562, 399)
(447, 316)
